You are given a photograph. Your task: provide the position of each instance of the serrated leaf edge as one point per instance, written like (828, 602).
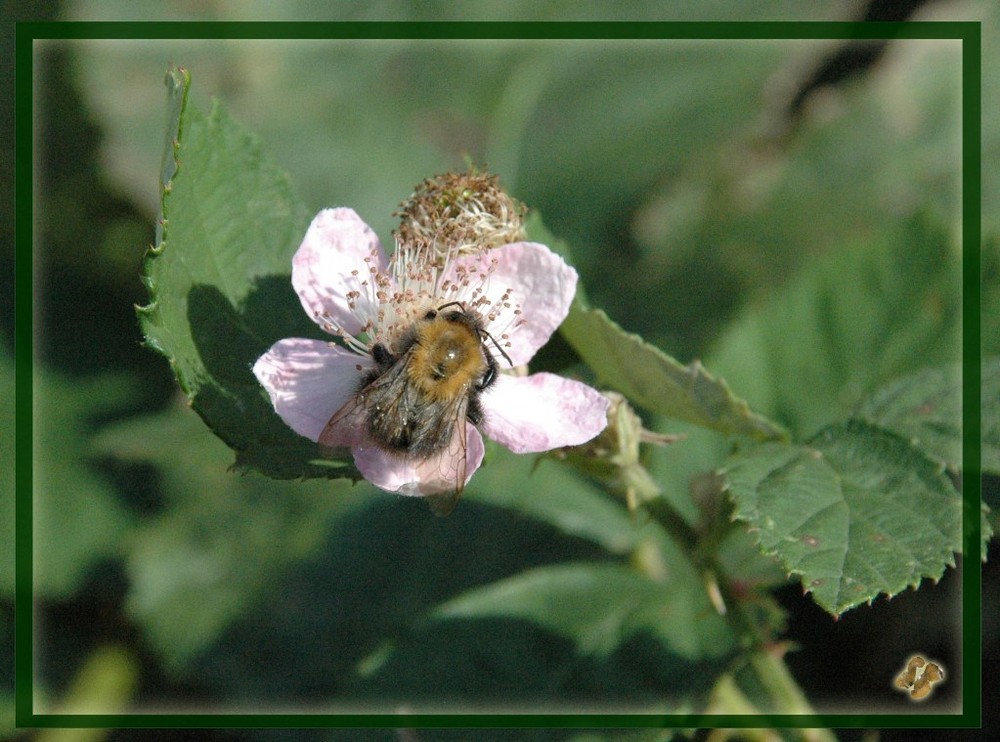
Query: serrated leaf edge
(840, 607)
(176, 78)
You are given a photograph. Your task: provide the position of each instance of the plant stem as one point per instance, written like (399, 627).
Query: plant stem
(785, 695)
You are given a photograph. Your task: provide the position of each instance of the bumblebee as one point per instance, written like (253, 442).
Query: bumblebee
(422, 393)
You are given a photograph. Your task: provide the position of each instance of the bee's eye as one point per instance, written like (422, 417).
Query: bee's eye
(431, 314)
(488, 378)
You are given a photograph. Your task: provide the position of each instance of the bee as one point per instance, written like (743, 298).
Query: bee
(423, 392)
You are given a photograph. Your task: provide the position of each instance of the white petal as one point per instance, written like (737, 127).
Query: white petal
(419, 477)
(335, 260)
(540, 284)
(308, 381)
(541, 412)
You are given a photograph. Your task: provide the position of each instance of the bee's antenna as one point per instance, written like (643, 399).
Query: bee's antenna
(497, 345)
(452, 304)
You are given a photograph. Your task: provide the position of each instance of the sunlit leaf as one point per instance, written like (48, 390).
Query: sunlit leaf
(655, 381)
(856, 513)
(219, 280)
(926, 409)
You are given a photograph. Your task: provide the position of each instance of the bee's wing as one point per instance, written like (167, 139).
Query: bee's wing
(349, 425)
(445, 473)
(345, 430)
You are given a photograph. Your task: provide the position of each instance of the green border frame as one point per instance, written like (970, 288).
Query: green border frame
(968, 32)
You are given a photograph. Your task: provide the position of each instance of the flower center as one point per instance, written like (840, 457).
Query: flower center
(390, 302)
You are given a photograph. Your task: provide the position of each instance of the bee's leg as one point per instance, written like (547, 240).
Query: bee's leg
(491, 373)
(474, 410)
(382, 357)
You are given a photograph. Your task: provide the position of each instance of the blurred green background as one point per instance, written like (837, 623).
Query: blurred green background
(694, 182)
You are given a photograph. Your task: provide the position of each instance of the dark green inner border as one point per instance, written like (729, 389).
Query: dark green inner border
(970, 35)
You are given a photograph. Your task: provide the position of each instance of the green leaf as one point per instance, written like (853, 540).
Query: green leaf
(219, 281)
(653, 380)
(856, 513)
(178, 82)
(854, 319)
(926, 409)
(644, 373)
(598, 606)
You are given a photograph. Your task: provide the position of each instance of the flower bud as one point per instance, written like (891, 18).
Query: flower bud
(614, 455)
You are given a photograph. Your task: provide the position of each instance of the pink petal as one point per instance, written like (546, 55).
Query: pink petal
(429, 476)
(541, 285)
(308, 381)
(541, 412)
(337, 254)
